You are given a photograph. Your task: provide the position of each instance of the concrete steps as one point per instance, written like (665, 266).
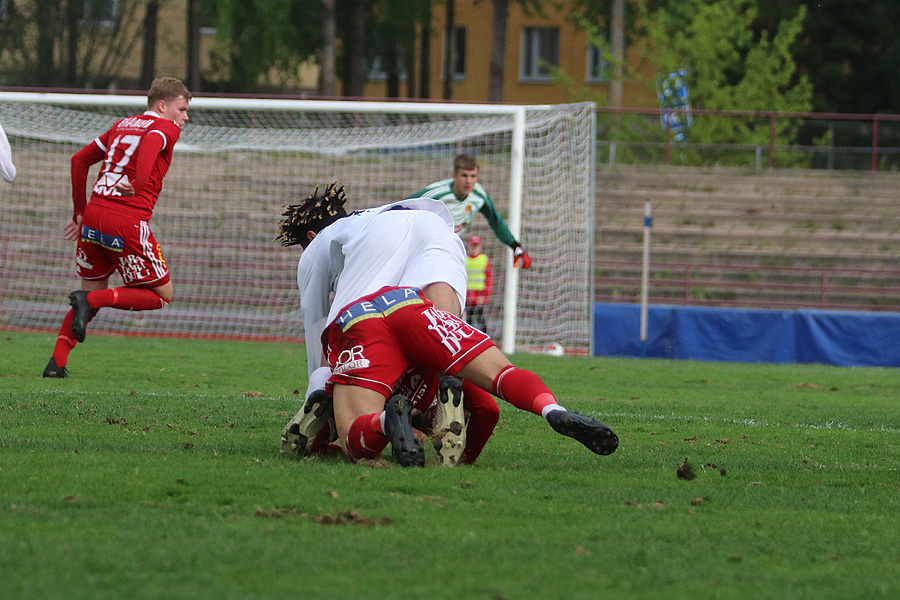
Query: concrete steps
(742, 225)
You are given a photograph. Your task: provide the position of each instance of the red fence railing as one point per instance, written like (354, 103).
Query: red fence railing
(813, 137)
(701, 284)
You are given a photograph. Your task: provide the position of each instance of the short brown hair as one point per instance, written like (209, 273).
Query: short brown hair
(465, 162)
(166, 88)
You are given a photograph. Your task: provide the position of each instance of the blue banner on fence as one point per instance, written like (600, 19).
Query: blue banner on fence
(845, 338)
(675, 104)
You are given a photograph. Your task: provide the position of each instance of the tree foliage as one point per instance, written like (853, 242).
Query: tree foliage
(387, 41)
(261, 43)
(730, 65)
(845, 51)
(47, 43)
(849, 50)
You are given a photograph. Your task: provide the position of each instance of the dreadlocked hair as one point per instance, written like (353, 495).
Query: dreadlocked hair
(314, 214)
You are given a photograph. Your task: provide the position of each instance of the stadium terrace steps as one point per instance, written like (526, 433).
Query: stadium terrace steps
(742, 225)
(732, 236)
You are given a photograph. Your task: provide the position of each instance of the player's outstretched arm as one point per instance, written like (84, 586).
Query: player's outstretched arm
(500, 228)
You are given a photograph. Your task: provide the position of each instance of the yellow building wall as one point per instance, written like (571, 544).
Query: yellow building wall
(171, 45)
(477, 18)
(124, 72)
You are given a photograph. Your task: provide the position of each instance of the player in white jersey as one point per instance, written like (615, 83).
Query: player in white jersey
(7, 168)
(419, 251)
(465, 197)
(407, 243)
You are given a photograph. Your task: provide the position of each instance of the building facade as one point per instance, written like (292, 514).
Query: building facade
(548, 57)
(534, 44)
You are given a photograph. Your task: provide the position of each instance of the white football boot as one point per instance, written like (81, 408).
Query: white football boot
(300, 433)
(449, 433)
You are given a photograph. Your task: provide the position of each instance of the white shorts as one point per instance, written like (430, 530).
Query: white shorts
(410, 248)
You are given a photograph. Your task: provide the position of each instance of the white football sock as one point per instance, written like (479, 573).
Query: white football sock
(550, 408)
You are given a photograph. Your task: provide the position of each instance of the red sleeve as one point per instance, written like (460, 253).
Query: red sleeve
(488, 279)
(152, 144)
(81, 164)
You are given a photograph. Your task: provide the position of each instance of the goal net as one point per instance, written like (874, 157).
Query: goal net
(239, 160)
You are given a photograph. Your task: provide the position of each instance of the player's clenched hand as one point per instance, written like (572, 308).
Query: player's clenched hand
(126, 189)
(73, 229)
(521, 258)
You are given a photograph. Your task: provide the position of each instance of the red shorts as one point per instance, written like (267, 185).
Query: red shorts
(420, 385)
(376, 339)
(114, 241)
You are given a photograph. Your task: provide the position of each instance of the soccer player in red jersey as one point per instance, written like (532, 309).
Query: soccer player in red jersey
(375, 339)
(113, 230)
(405, 243)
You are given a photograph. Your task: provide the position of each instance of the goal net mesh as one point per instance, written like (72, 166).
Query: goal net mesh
(233, 170)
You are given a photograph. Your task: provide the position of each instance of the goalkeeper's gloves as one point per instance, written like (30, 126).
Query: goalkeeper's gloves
(521, 258)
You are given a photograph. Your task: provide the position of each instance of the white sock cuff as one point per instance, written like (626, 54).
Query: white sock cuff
(317, 380)
(549, 409)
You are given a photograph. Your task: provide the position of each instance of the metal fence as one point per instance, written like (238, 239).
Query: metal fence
(755, 139)
(721, 143)
(704, 284)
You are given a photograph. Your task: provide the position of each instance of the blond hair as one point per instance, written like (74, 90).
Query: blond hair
(166, 89)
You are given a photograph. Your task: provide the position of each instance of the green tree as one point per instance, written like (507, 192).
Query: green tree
(325, 86)
(849, 50)
(261, 43)
(730, 65)
(394, 35)
(67, 42)
(379, 34)
(148, 53)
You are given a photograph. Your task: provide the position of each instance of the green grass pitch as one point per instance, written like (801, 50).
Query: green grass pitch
(155, 472)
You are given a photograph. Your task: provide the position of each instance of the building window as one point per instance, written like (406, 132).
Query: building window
(458, 39)
(101, 13)
(378, 69)
(540, 51)
(597, 65)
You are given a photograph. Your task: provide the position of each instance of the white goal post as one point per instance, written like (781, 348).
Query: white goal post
(239, 160)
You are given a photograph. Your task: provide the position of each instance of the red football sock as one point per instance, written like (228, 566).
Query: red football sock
(126, 298)
(65, 341)
(365, 438)
(523, 389)
(483, 416)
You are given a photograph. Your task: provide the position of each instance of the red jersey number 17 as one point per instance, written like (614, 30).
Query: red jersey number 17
(111, 172)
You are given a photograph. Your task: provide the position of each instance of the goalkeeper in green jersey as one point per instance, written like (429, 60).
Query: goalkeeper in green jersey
(464, 196)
